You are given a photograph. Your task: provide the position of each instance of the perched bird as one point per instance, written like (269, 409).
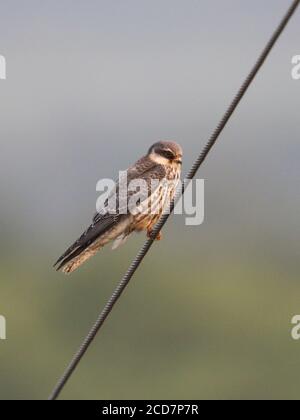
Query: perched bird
(161, 168)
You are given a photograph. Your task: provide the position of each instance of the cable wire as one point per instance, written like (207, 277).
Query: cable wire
(147, 245)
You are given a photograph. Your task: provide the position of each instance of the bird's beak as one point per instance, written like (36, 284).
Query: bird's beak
(178, 160)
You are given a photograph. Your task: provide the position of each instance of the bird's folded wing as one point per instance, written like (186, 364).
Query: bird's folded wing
(104, 220)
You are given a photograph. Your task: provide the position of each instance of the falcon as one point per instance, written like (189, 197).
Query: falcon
(159, 172)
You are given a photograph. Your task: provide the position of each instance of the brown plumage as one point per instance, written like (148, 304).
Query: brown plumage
(163, 164)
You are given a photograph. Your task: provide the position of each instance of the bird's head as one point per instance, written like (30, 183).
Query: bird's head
(166, 152)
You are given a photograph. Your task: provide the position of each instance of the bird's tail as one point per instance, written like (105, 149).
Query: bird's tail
(76, 255)
(77, 261)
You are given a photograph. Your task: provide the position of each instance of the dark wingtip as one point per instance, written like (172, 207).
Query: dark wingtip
(59, 267)
(62, 259)
(60, 263)
(57, 262)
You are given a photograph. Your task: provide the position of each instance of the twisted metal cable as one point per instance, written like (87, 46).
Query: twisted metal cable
(147, 245)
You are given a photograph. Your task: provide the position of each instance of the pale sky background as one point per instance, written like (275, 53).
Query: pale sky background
(90, 86)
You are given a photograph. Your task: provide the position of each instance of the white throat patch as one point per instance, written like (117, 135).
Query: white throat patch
(160, 160)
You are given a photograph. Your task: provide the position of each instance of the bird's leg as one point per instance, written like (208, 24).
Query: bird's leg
(149, 234)
(159, 236)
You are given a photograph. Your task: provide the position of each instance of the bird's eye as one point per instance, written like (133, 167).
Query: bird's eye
(167, 154)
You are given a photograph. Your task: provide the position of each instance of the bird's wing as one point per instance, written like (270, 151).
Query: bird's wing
(144, 169)
(88, 237)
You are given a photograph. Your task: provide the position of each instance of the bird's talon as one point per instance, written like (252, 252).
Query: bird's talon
(158, 237)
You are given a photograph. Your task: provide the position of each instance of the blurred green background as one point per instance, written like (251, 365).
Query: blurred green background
(90, 86)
